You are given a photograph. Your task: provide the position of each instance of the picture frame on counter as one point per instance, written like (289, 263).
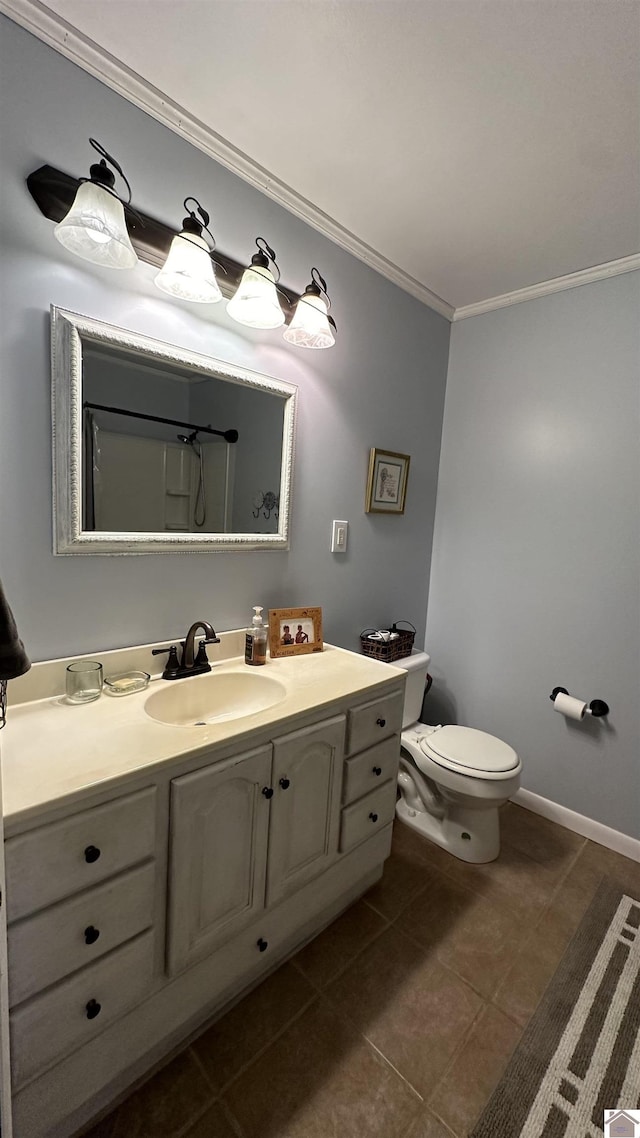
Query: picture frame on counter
(293, 632)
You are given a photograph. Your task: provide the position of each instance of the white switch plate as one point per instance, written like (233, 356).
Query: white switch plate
(339, 531)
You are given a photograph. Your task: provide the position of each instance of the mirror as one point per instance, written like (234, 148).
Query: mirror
(158, 449)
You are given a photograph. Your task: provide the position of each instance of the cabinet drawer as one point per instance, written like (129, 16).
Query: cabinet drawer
(370, 769)
(47, 1027)
(52, 944)
(374, 721)
(367, 816)
(54, 861)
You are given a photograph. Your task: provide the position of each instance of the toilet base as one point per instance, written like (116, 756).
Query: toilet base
(469, 834)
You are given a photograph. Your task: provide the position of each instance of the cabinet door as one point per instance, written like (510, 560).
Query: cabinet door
(219, 825)
(305, 808)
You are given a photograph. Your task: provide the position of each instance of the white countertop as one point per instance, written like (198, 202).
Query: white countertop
(54, 752)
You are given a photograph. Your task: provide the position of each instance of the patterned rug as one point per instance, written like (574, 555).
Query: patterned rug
(580, 1053)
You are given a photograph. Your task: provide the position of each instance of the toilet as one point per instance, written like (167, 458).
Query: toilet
(452, 779)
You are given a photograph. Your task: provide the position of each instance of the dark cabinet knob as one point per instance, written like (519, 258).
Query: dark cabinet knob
(381, 722)
(267, 791)
(92, 853)
(377, 770)
(91, 935)
(93, 1009)
(373, 817)
(284, 783)
(262, 944)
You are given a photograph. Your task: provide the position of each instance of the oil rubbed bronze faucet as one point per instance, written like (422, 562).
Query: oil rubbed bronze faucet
(191, 664)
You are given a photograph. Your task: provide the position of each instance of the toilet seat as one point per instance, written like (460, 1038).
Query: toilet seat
(467, 751)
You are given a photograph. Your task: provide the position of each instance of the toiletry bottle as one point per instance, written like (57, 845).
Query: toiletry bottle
(255, 649)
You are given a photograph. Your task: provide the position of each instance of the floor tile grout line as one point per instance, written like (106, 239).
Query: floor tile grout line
(395, 1070)
(184, 1131)
(258, 1055)
(232, 1119)
(201, 1067)
(448, 967)
(454, 1056)
(409, 901)
(560, 883)
(322, 988)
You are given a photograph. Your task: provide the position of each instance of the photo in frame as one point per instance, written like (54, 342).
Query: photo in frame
(295, 631)
(386, 482)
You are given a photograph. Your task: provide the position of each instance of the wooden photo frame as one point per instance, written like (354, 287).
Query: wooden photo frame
(293, 632)
(387, 482)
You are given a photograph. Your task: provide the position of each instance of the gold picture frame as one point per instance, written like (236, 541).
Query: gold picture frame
(293, 632)
(387, 482)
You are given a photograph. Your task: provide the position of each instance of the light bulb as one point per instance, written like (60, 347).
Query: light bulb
(188, 271)
(255, 302)
(95, 229)
(310, 327)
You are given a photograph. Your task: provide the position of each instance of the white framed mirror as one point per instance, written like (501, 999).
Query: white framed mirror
(158, 449)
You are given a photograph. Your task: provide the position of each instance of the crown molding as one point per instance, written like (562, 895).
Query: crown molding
(556, 284)
(36, 18)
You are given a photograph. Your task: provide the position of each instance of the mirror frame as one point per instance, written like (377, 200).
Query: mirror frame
(67, 332)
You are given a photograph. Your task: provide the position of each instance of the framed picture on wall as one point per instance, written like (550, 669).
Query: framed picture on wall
(387, 482)
(294, 631)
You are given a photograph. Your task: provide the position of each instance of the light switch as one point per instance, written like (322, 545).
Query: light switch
(339, 533)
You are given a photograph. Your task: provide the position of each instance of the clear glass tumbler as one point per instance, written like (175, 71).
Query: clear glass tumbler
(84, 681)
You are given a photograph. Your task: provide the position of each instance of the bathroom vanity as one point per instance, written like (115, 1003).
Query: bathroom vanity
(158, 868)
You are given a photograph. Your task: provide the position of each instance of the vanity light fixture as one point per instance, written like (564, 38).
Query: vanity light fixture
(188, 271)
(95, 227)
(311, 326)
(90, 221)
(255, 302)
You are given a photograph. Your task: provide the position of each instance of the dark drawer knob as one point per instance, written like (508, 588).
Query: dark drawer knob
(92, 853)
(267, 791)
(91, 935)
(373, 817)
(263, 944)
(284, 783)
(93, 1009)
(377, 771)
(381, 722)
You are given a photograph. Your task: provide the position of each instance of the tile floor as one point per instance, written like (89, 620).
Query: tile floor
(398, 1020)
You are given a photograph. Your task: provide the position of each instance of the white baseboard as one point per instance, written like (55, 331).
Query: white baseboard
(603, 835)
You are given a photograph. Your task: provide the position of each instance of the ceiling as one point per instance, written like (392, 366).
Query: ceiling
(466, 148)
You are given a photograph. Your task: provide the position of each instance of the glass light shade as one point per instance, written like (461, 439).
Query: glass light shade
(310, 327)
(255, 301)
(188, 271)
(95, 229)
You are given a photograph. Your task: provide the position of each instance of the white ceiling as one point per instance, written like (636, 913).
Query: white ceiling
(480, 146)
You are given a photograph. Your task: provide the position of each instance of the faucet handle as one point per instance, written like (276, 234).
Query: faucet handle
(201, 661)
(172, 667)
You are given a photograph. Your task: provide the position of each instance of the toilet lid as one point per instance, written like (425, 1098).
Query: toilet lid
(469, 750)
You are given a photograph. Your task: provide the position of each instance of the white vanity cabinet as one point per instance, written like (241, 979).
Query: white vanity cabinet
(198, 880)
(218, 854)
(276, 807)
(305, 808)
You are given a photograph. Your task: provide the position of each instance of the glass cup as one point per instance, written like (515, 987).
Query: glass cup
(84, 681)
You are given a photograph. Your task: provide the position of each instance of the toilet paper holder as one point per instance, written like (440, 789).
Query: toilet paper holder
(597, 707)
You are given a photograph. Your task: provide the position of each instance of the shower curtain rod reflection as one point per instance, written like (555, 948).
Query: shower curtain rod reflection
(231, 436)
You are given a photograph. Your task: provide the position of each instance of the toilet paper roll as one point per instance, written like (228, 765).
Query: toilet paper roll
(569, 706)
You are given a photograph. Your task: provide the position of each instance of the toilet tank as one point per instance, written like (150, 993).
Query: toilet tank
(416, 665)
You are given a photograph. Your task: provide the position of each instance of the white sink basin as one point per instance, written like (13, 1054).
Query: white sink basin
(213, 698)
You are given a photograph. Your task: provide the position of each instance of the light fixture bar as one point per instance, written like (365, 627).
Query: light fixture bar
(54, 192)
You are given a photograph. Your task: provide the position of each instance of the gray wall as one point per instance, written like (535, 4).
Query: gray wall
(382, 385)
(535, 577)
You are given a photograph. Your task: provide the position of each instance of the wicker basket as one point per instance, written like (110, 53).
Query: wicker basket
(388, 650)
